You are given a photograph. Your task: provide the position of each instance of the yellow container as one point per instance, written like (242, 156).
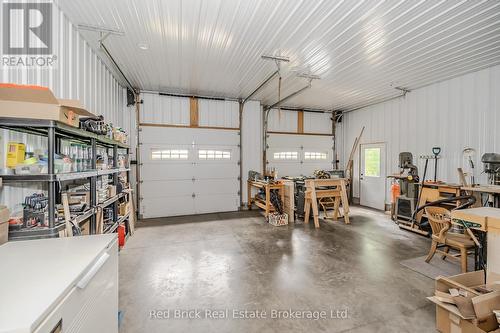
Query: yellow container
(15, 154)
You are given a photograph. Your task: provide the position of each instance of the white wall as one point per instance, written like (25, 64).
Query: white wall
(287, 121)
(215, 113)
(168, 110)
(173, 110)
(315, 122)
(251, 140)
(78, 74)
(282, 121)
(453, 114)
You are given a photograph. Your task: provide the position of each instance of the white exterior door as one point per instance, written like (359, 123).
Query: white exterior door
(187, 171)
(372, 177)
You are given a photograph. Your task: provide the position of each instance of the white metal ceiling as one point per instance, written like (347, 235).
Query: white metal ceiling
(361, 49)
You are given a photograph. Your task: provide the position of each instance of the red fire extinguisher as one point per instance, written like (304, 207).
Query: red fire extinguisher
(121, 235)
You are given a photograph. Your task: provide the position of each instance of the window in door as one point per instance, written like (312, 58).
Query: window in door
(214, 154)
(286, 155)
(174, 154)
(314, 155)
(372, 162)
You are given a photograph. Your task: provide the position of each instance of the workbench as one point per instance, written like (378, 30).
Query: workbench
(493, 192)
(437, 191)
(266, 204)
(485, 219)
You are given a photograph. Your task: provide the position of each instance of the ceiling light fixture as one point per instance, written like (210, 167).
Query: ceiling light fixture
(143, 46)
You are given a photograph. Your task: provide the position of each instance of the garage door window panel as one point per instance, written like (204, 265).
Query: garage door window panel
(315, 156)
(209, 154)
(169, 154)
(286, 155)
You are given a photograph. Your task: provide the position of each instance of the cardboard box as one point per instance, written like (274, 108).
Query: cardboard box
(75, 198)
(466, 281)
(124, 208)
(111, 191)
(85, 227)
(4, 224)
(23, 101)
(449, 319)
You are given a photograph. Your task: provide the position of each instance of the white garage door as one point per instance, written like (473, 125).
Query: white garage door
(299, 155)
(188, 171)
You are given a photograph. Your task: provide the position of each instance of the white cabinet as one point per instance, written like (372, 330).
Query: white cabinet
(66, 283)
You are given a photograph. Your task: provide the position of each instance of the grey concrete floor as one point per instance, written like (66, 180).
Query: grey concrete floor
(235, 261)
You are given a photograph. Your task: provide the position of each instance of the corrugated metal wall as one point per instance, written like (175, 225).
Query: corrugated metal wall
(168, 110)
(172, 110)
(214, 113)
(287, 121)
(453, 114)
(317, 122)
(79, 74)
(251, 141)
(282, 121)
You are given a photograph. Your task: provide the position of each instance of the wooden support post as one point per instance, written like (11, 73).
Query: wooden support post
(336, 208)
(193, 107)
(300, 122)
(282, 192)
(345, 201)
(99, 221)
(313, 202)
(67, 215)
(307, 211)
(350, 162)
(268, 203)
(249, 198)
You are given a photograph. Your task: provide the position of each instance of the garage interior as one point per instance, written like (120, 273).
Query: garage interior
(250, 166)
